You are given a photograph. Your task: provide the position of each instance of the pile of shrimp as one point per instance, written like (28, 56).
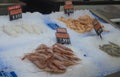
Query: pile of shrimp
(81, 25)
(53, 59)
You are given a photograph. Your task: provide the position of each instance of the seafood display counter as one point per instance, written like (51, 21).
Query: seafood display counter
(35, 45)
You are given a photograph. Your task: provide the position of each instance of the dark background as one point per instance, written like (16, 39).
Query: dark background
(47, 6)
(43, 6)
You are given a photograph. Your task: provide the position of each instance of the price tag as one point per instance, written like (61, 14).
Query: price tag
(62, 36)
(68, 7)
(98, 28)
(61, 30)
(15, 12)
(68, 2)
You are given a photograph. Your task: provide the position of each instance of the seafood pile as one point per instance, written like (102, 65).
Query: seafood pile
(111, 48)
(18, 28)
(54, 60)
(81, 25)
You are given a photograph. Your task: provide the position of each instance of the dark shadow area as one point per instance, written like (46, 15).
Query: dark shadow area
(43, 6)
(47, 6)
